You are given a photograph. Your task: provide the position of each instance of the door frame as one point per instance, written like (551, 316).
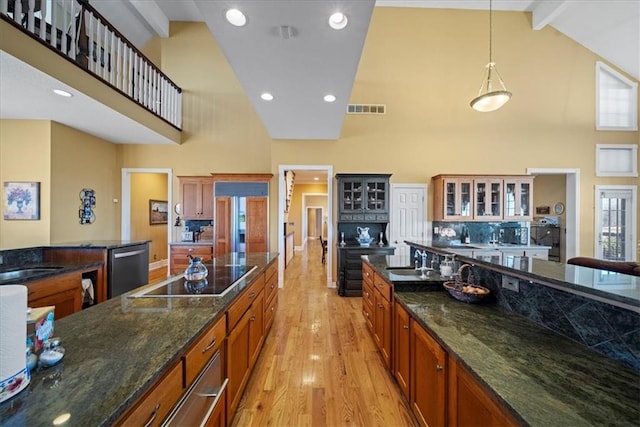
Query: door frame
(572, 206)
(281, 206)
(305, 218)
(633, 220)
(125, 206)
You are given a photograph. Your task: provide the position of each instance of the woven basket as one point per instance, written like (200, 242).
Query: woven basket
(466, 291)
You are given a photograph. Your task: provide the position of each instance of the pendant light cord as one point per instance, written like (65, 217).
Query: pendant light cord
(490, 31)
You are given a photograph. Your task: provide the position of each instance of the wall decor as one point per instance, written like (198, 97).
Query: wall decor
(158, 212)
(21, 200)
(543, 210)
(88, 199)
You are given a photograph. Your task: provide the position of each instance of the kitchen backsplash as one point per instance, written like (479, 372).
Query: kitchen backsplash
(447, 233)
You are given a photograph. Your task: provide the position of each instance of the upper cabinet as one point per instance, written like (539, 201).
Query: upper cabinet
(363, 197)
(196, 197)
(482, 198)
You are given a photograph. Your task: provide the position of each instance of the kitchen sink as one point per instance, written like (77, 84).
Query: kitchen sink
(406, 271)
(25, 273)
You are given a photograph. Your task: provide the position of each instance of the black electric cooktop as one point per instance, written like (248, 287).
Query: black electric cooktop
(221, 279)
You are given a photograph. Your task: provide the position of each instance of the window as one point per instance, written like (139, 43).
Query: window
(616, 100)
(616, 160)
(616, 216)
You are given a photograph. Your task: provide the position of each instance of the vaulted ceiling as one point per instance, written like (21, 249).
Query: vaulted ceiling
(295, 63)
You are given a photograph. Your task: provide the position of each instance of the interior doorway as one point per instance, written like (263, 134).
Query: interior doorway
(326, 171)
(128, 175)
(314, 222)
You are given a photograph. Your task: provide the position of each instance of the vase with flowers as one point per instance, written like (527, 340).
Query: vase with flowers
(20, 196)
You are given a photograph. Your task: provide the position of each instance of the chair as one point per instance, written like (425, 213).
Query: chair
(323, 243)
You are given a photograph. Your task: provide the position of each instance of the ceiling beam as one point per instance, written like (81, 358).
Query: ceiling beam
(154, 16)
(544, 12)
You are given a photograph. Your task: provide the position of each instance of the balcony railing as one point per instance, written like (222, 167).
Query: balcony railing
(77, 31)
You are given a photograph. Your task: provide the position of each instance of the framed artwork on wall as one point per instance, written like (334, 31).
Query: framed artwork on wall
(158, 212)
(21, 200)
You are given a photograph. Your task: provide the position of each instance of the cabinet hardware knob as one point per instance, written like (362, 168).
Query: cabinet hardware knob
(380, 305)
(252, 294)
(209, 347)
(273, 309)
(439, 368)
(154, 414)
(252, 318)
(273, 286)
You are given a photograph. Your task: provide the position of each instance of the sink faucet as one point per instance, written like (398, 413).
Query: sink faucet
(422, 254)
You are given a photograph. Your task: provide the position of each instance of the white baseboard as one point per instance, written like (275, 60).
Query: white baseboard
(158, 264)
(298, 248)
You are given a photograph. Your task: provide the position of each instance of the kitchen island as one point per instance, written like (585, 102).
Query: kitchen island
(117, 350)
(539, 377)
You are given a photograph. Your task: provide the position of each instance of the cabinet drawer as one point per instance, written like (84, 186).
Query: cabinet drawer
(270, 312)
(270, 288)
(382, 286)
(243, 302)
(355, 274)
(358, 217)
(271, 270)
(367, 273)
(346, 217)
(367, 312)
(151, 409)
(202, 351)
(195, 250)
(37, 289)
(367, 294)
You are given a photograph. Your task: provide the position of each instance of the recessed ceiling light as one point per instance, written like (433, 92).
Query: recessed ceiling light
(235, 17)
(266, 96)
(338, 21)
(315, 178)
(62, 93)
(329, 98)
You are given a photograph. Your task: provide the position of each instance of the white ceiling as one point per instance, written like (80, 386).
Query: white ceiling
(296, 70)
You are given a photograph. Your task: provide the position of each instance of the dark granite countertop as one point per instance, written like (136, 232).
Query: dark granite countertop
(544, 378)
(104, 244)
(198, 243)
(617, 288)
(115, 351)
(53, 269)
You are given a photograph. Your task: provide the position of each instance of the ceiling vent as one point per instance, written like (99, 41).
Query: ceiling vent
(366, 109)
(286, 31)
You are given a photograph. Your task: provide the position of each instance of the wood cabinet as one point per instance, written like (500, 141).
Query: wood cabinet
(156, 404)
(270, 295)
(199, 354)
(64, 291)
(256, 229)
(196, 197)
(179, 255)
(427, 377)
(482, 198)
(376, 308)
(453, 198)
(518, 199)
(256, 233)
(470, 404)
(487, 199)
(223, 225)
(401, 345)
(245, 323)
(363, 197)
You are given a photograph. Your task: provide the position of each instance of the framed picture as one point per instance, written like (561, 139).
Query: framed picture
(543, 210)
(158, 212)
(21, 200)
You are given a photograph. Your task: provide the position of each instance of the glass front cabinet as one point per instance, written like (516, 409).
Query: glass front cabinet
(363, 197)
(482, 198)
(518, 198)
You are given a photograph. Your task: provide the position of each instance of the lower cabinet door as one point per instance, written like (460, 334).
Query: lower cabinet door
(428, 377)
(401, 354)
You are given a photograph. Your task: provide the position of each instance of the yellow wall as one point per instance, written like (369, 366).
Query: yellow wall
(144, 187)
(425, 65)
(80, 161)
(24, 156)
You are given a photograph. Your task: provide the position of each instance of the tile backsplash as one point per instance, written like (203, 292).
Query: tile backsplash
(481, 232)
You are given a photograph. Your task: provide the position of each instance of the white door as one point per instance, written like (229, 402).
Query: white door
(407, 220)
(616, 211)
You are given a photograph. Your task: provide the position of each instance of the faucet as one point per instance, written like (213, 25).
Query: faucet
(422, 254)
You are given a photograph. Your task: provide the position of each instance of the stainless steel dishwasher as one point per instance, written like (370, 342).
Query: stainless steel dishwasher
(128, 269)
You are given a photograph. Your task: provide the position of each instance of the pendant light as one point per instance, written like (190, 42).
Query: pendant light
(491, 98)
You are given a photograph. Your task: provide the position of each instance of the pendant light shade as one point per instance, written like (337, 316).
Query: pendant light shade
(492, 94)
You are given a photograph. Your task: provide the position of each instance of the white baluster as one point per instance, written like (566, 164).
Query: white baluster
(43, 20)
(4, 7)
(104, 50)
(112, 59)
(17, 11)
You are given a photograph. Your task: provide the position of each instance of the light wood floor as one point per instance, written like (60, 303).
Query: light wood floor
(319, 365)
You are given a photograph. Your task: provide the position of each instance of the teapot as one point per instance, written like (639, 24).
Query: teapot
(363, 235)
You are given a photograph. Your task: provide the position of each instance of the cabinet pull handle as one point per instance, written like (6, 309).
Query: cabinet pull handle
(405, 326)
(273, 309)
(273, 286)
(252, 294)
(380, 305)
(210, 346)
(154, 414)
(439, 368)
(252, 318)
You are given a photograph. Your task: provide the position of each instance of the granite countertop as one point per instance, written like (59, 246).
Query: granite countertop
(544, 378)
(55, 268)
(616, 288)
(198, 243)
(116, 350)
(104, 244)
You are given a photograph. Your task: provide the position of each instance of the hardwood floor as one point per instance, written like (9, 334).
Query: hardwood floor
(319, 365)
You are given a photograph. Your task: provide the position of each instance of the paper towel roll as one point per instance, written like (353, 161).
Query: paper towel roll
(13, 340)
